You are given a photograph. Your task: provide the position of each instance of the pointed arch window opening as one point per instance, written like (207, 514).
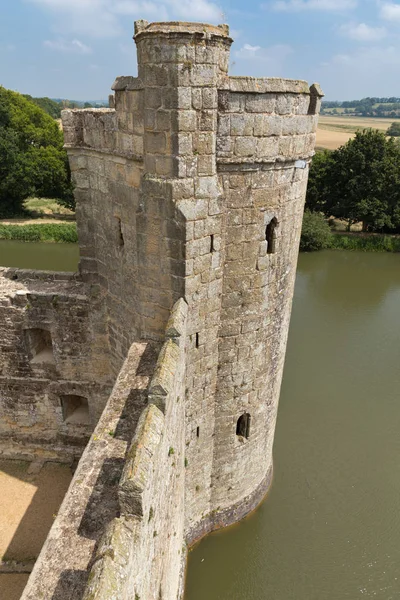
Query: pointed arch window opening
(243, 426)
(270, 235)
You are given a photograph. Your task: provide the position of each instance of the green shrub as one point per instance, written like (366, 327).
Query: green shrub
(394, 129)
(370, 243)
(315, 234)
(51, 232)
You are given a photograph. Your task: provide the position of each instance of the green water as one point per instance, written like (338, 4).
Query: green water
(330, 526)
(36, 255)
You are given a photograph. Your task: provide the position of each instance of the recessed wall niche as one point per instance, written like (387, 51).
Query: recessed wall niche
(75, 409)
(40, 346)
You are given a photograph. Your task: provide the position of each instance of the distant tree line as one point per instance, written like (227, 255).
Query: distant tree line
(33, 161)
(366, 107)
(54, 107)
(49, 106)
(359, 182)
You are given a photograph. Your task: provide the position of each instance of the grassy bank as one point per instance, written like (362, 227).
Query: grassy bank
(43, 207)
(366, 243)
(49, 232)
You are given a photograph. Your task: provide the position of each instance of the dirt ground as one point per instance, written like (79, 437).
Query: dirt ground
(332, 139)
(19, 221)
(28, 504)
(12, 585)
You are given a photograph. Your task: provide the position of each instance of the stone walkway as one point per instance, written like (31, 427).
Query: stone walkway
(31, 496)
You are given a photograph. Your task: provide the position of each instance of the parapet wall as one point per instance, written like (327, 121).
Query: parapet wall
(266, 121)
(150, 529)
(119, 532)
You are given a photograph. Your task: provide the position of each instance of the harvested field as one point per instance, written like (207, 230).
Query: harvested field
(336, 131)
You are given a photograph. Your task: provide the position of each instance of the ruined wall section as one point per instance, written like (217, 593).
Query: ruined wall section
(54, 355)
(91, 503)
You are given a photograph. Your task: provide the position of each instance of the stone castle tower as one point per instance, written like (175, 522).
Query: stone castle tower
(190, 192)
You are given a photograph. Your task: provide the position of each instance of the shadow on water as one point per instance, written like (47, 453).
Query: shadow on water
(330, 527)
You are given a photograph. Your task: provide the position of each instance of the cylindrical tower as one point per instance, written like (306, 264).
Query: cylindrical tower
(231, 155)
(194, 187)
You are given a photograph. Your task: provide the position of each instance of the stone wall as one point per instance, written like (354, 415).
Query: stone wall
(150, 529)
(120, 530)
(190, 192)
(213, 215)
(266, 137)
(54, 351)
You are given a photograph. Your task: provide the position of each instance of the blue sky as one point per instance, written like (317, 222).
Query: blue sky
(75, 48)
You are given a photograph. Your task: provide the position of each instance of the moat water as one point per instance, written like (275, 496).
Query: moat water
(37, 255)
(330, 527)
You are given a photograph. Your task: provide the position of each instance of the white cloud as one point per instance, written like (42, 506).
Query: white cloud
(390, 11)
(102, 18)
(264, 62)
(362, 32)
(303, 5)
(75, 46)
(279, 51)
(249, 48)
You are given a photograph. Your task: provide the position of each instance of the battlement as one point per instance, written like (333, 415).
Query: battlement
(190, 191)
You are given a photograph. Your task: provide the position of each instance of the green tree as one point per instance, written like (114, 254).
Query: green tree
(360, 182)
(51, 107)
(394, 130)
(32, 158)
(317, 181)
(315, 233)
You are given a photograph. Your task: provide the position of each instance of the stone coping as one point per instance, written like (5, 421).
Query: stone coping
(127, 82)
(16, 273)
(265, 85)
(22, 282)
(93, 111)
(143, 28)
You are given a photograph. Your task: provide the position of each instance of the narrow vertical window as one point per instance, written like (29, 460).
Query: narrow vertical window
(197, 340)
(212, 249)
(243, 425)
(270, 235)
(198, 432)
(120, 235)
